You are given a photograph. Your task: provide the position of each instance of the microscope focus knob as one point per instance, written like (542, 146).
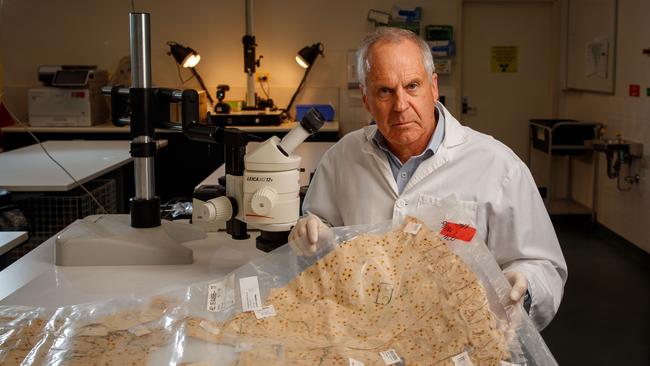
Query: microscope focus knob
(217, 209)
(263, 200)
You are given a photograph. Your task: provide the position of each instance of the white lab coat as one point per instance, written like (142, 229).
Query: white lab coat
(354, 185)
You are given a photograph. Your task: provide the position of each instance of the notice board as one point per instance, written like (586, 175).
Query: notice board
(591, 45)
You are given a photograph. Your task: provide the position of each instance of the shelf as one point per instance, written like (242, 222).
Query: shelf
(110, 128)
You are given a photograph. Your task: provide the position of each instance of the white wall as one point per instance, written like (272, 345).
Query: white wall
(626, 213)
(96, 32)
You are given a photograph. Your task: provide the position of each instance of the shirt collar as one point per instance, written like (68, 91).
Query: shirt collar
(434, 142)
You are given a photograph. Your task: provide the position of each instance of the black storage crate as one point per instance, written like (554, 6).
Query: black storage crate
(49, 213)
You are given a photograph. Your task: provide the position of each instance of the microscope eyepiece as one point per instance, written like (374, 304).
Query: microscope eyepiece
(312, 121)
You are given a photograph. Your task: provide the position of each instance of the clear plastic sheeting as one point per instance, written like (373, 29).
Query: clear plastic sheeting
(21, 328)
(119, 332)
(394, 293)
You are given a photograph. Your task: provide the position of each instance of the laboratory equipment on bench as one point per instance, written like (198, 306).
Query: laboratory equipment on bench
(262, 187)
(70, 96)
(222, 107)
(141, 237)
(188, 58)
(247, 118)
(619, 151)
(256, 111)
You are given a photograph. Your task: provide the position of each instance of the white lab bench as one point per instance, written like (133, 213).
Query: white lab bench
(28, 169)
(34, 280)
(9, 240)
(32, 171)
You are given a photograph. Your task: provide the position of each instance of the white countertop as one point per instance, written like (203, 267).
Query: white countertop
(34, 280)
(9, 240)
(29, 169)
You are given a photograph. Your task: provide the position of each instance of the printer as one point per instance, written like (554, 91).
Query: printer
(71, 95)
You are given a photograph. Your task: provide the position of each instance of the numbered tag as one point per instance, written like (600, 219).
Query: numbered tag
(462, 360)
(209, 327)
(140, 330)
(250, 293)
(390, 357)
(412, 228)
(506, 363)
(264, 312)
(221, 295)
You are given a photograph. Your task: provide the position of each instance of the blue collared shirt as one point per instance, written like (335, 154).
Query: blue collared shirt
(403, 172)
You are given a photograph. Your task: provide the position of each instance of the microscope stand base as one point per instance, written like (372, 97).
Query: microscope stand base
(109, 240)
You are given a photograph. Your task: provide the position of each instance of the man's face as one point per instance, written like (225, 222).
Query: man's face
(400, 95)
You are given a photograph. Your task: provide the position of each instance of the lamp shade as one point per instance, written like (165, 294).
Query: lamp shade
(184, 56)
(308, 54)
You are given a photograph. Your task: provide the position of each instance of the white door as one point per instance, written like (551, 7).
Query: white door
(520, 35)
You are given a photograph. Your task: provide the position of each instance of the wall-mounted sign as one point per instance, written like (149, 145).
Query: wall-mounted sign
(503, 58)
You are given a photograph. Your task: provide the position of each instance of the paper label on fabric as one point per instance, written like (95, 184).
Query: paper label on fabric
(412, 228)
(243, 347)
(264, 312)
(209, 327)
(453, 231)
(506, 363)
(250, 293)
(462, 360)
(354, 362)
(94, 330)
(220, 296)
(140, 330)
(390, 357)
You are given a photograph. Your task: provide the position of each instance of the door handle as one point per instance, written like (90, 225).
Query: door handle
(466, 108)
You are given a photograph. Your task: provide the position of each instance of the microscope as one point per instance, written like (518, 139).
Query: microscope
(262, 187)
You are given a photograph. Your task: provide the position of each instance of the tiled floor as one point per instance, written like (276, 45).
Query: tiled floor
(604, 318)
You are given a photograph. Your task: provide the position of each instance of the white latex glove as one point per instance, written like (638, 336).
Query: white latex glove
(304, 236)
(519, 284)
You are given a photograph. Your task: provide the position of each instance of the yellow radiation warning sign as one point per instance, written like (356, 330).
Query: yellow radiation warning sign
(503, 58)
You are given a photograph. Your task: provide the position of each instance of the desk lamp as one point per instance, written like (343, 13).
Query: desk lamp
(188, 58)
(306, 58)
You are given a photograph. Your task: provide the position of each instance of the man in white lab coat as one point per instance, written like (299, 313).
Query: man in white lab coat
(418, 153)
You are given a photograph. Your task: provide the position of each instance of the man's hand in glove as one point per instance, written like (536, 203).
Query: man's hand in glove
(304, 236)
(519, 285)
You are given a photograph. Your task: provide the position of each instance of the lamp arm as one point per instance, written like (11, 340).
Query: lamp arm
(198, 77)
(302, 82)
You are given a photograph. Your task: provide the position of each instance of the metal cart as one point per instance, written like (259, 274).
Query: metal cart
(565, 137)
